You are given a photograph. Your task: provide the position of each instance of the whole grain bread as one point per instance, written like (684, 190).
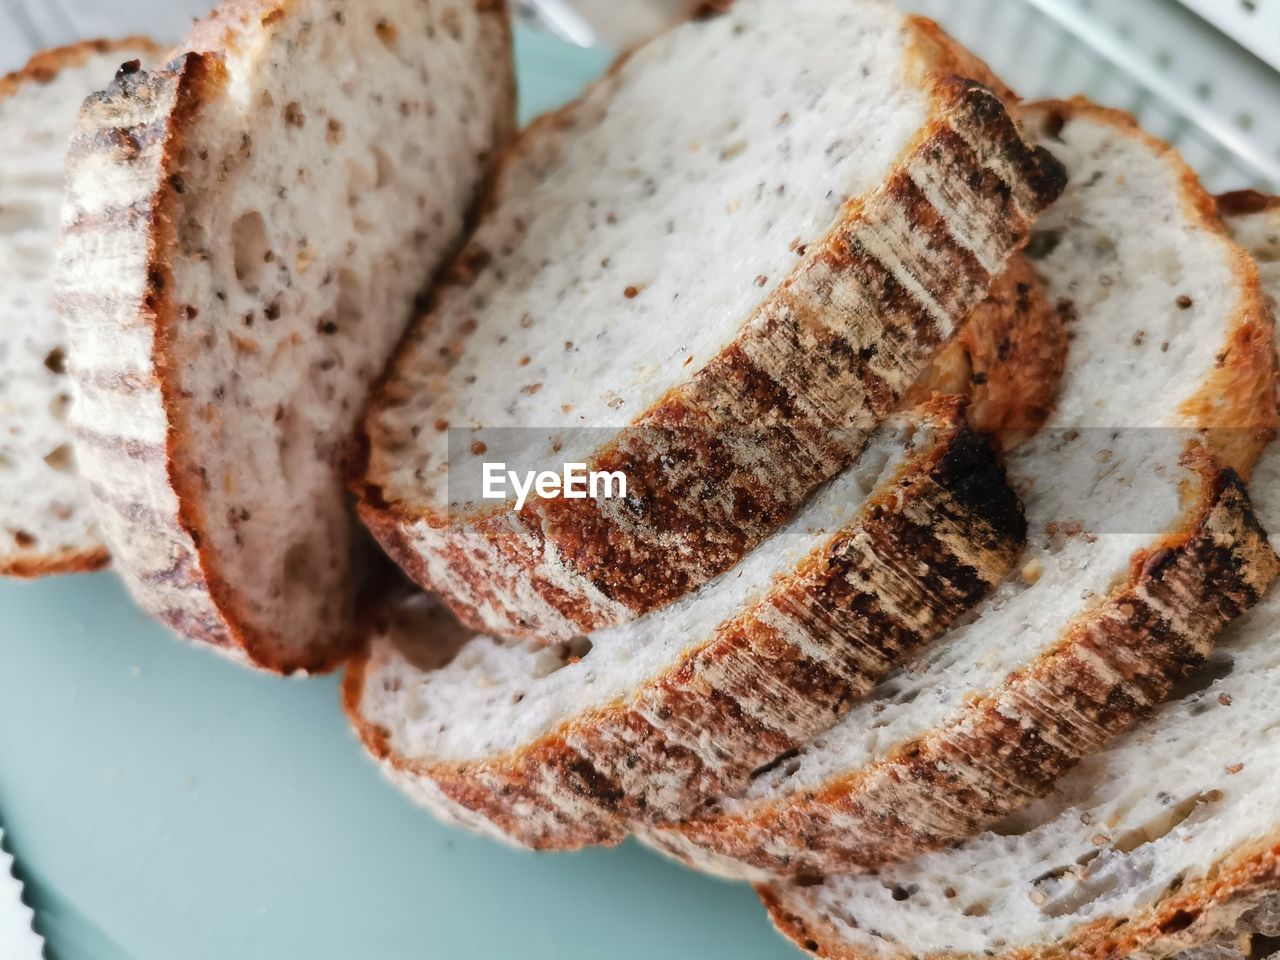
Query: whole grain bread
(1166, 844)
(245, 234)
(47, 524)
(719, 297)
(1142, 541)
(560, 747)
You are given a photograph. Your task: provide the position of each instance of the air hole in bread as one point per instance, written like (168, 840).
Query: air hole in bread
(785, 761)
(387, 33)
(359, 181)
(61, 459)
(252, 249)
(383, 166)
(1166, 823)
(557, 656)
(349, 300)
(1042, 243)
(299, 574)
(60, 406)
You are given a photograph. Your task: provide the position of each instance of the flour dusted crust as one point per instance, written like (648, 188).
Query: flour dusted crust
(749, 428)
(709, 689)
(699, 694)
(1106, 622)
(46, 519)
(1169, 835)
(245, 234)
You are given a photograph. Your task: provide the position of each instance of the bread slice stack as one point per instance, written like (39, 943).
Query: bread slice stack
(935, 601)
(47, 525)
(1142, 541)
(1163, 845)
(246, 232)
(720, 298)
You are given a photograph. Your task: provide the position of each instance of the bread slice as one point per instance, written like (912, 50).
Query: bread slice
(1167, 844)
(46, 520)
(1142, 542)
(245, 234)
(719, 297)
(562, 747)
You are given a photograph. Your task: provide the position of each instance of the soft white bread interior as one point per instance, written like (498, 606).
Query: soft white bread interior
(245, 234)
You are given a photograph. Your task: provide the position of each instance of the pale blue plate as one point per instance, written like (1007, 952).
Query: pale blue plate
(164, 805)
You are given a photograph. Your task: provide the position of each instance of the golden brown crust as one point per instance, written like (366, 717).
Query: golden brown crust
(1108, 669)
(1197, 913)
(938, 54)
(50, 565)
(830, 352)
(1240, 202)
(926, 547)
(1008, 359)
(1111, 666)
(1234, 408)
(46, 64)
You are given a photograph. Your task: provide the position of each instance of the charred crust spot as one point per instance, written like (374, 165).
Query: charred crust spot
(1244, 201)
(1047, 175)
(1154, 566)
(1055, 121)
(709, 9)
(971, 471)
(1180, 920)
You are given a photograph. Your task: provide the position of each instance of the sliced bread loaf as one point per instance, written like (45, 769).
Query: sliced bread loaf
(245, 234)
(46, 519)
(719, 298)
(1142, 544)
(1167, 844)
(563, 746)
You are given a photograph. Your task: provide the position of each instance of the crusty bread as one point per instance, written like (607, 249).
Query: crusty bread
(1007, 360)
(245, 233)
(46, 521)
(1167, 844)
(719, 297)
(563, 747)
(1142, 545)
(560, 747)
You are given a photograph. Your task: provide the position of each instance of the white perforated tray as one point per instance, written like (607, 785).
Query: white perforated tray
(1185, 80)
(1253, 23)
(1178, 70)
